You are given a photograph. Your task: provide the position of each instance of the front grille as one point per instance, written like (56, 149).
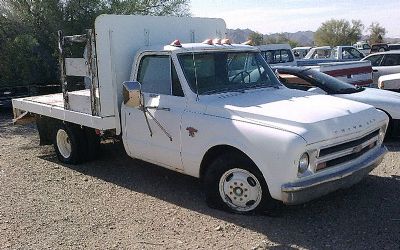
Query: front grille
(349, 157)
(345, 152)
(350, 144)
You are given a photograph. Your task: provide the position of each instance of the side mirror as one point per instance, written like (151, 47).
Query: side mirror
(132, 93)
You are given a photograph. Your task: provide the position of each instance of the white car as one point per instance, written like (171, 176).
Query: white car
(312, 80)
(384, 63)
(389, 82)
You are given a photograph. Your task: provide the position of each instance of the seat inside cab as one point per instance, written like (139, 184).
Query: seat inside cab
(294, 82)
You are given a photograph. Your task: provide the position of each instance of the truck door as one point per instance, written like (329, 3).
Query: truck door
(155, 136)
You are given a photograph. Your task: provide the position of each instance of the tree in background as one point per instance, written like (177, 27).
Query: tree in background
(338, 32)
(28, 31)
(256, 38)
(280, 38)
(377, 33)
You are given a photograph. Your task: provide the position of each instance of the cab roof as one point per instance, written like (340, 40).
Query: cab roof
(198, 47)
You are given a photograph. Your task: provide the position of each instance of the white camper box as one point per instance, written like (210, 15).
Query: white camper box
(117, 38)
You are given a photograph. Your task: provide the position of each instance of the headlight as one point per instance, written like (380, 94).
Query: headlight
(303, 163)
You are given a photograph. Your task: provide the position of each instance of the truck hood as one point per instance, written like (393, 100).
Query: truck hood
(313, 117)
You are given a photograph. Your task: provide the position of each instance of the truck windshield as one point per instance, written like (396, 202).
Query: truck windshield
(217, 72)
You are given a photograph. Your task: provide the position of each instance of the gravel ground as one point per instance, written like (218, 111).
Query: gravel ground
(119, 203)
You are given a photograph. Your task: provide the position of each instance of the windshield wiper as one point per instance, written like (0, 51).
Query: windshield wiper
(224, 90)
(262, 85)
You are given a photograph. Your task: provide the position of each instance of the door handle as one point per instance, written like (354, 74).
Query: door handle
(158, 108)
(374, 70)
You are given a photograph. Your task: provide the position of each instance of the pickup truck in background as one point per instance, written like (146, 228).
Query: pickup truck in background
(356, 73)
(327, 54)
(279, 54)
(212, 109)
(341, 62)
(363, 47)
(301, 52)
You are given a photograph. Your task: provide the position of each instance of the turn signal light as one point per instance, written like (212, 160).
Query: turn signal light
(226, 41)
(208, 41)
(176, 43)
(248, 42)
(217, 41)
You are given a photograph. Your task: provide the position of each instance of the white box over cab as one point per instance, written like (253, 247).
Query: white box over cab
(118, 38)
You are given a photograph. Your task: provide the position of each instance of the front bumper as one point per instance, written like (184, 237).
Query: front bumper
(305, 190)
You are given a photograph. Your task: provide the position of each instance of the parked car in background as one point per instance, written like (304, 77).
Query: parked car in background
(327, 54)
(363, 47)
(356, 72)
(394, 46)
(300, 52)
(309, 79)
(384, 63)
(390, 82)
(278, 54)
(319, 53)
(379, 47)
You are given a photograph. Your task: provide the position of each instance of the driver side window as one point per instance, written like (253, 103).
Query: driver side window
(158, 75)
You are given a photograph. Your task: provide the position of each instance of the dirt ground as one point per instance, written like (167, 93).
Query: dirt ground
(119, 203)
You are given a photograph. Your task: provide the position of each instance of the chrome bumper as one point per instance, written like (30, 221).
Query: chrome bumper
(305, 190)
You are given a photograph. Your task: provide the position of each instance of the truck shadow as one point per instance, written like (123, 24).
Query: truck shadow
(343, 218)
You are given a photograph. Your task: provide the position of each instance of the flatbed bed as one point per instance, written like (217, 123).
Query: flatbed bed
(53, 106)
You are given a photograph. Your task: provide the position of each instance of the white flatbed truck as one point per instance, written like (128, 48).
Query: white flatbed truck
(211, 109)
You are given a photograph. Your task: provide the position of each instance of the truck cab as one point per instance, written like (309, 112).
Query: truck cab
(213, 110)
(326, 54)
(279, 54)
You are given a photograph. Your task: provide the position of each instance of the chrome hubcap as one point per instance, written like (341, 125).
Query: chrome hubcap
(63, 143)
(240, 190)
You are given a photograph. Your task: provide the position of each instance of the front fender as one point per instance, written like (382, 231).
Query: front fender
(275, 152)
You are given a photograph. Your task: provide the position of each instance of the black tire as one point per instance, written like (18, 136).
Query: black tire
(217, 171)
(76, 139)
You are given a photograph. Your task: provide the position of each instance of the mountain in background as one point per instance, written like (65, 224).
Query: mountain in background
(238, 35)
(303, 38)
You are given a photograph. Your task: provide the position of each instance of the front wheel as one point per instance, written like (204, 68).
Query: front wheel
(235, 184)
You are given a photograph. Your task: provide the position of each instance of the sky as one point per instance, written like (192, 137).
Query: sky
(298, 15)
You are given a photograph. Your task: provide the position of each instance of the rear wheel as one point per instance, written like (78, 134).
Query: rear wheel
(235, 184)
(69, 144)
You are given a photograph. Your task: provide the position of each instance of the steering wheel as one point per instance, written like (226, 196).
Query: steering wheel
(242, 74)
